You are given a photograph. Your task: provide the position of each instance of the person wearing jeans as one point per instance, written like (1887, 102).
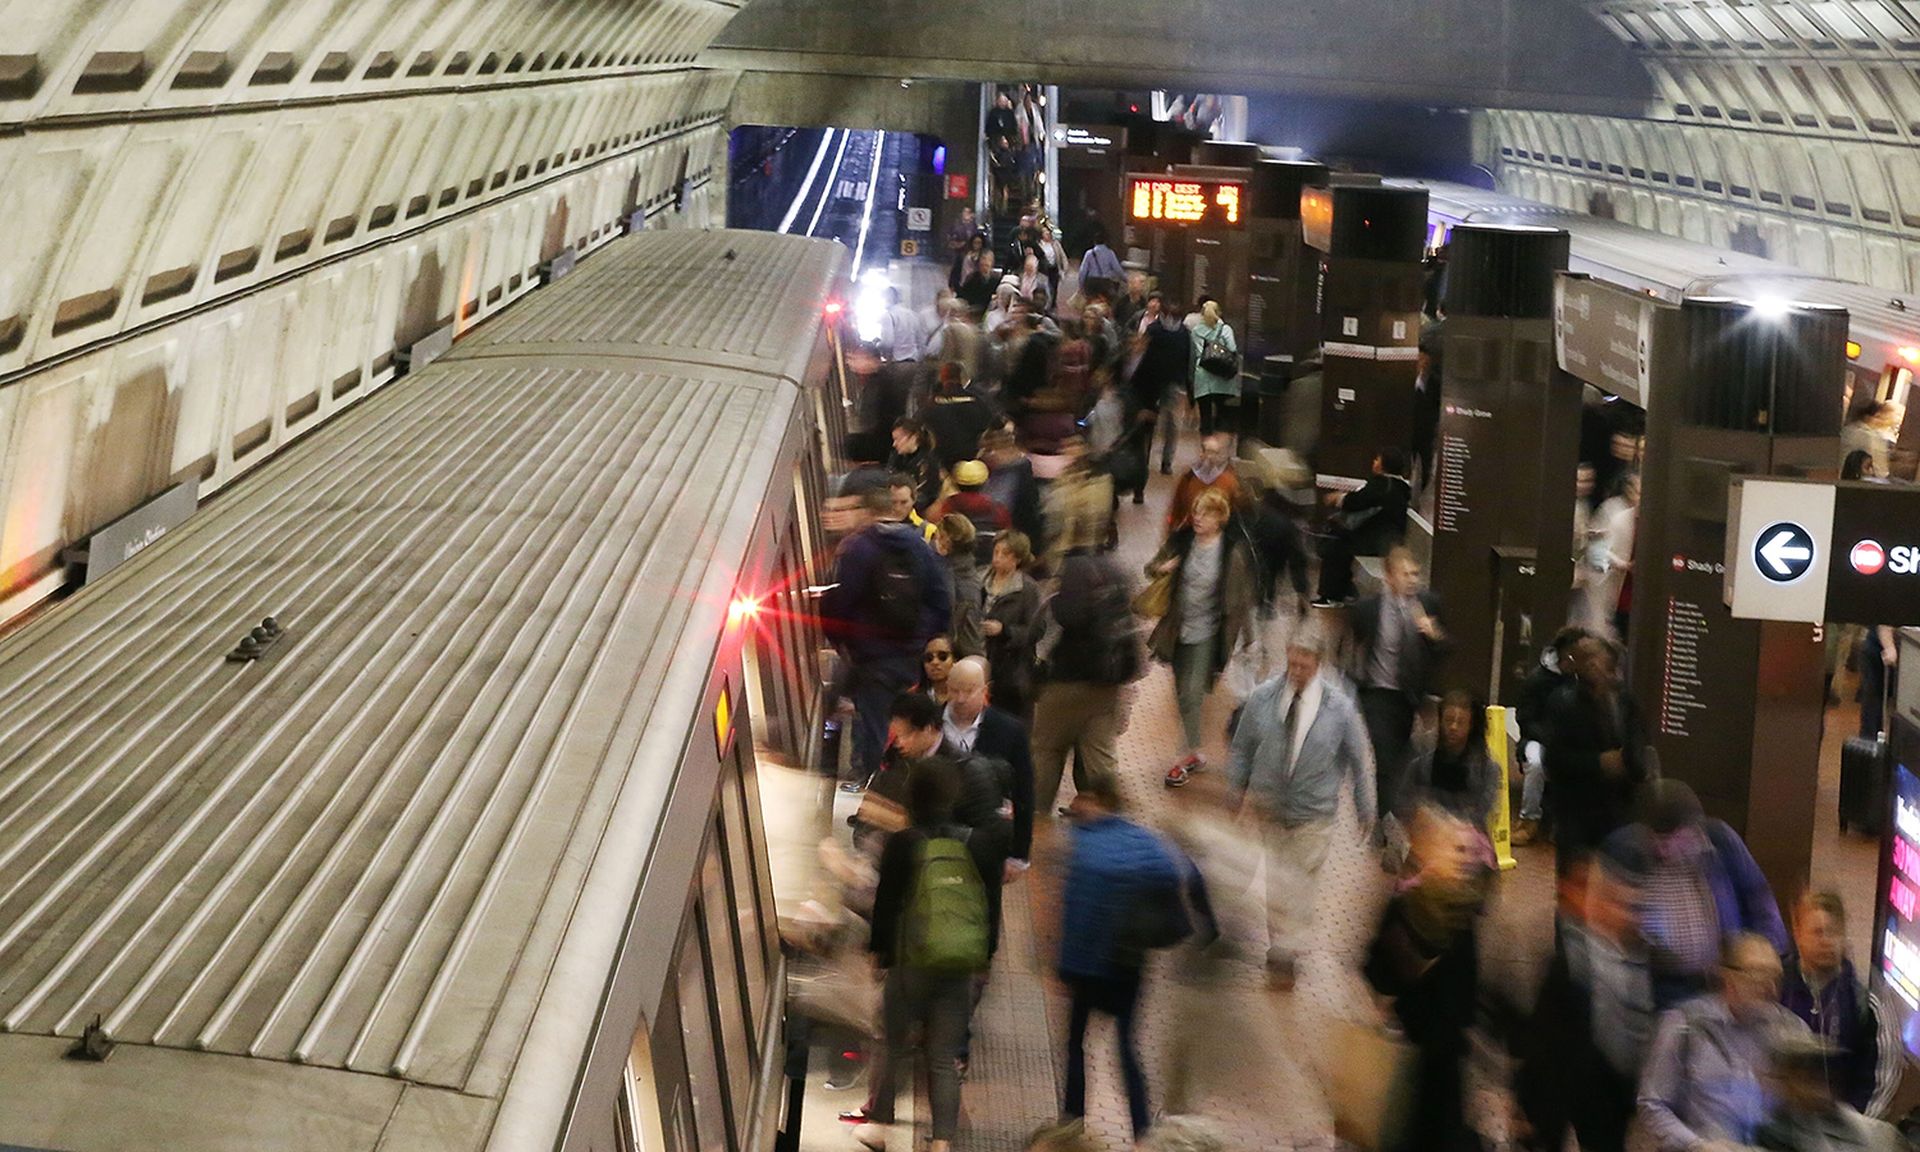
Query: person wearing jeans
(1211, 608)
(1112, 860)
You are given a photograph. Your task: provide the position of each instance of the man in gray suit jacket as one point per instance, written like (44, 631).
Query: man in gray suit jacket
(1300, 739)
(1400, 640)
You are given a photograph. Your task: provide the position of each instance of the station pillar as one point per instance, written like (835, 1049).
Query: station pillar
(1733, 707)
(1370, 325)
(1282, 296)
(1509, 443)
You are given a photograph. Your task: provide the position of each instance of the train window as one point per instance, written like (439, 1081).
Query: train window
(729, 998)
(746, 898)
(703, 1059)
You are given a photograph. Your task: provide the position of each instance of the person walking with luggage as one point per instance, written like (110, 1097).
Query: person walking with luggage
(1208, 577)
(935, 926)
(1300, 740)
(1118, 874)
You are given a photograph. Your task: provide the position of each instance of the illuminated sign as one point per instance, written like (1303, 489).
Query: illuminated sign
(1899, 934)
(1180, 200)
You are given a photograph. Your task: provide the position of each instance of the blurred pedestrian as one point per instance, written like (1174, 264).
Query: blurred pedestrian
(1583, 1050)
(889, 596)
(957, 412)
(1365, 522)
(1300, 740)
(1424, 956)
(1808, 1116)
(1456, 775)
(1553, 672)
(1596, 752)
(1213, 584)
(1401, 641)
(968, 499)
(1079, 502)
(1862, 1057)
(1010, 622)
(1699, 885)
(914, 457)
(955, 543)
(1216, 371)
(1705, 1078)
(1117, 872)
(1086, 665)
(1212, 472)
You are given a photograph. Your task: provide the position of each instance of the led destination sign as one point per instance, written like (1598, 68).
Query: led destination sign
(1186, 200)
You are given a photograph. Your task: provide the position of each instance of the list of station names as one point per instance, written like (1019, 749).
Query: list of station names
(1681, 687)
(1460, 426)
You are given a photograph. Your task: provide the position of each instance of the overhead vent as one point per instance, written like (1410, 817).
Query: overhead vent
(275, 68)
(113, 72)
(417, 206)
(341, 228)
(382, 66)
(238, 262)
(169, 284)
(204, 70)
(423, 64)
(539, 63)
(518, 63)
(490, 64)
(293, 244)
(448, 196)
(12, 330)
(333, 67)
(459, 63)
(19, 76)
(382, 216)
(89, 308)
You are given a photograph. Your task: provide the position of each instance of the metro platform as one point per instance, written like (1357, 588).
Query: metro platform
(1274, 1101)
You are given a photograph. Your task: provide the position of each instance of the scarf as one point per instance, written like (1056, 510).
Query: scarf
(1207, 473)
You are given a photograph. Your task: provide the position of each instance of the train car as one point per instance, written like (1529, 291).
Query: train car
(463, 850)
(1885, 330)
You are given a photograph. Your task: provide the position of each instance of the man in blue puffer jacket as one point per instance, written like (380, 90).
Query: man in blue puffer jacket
(1115, 864)
(1699, 887)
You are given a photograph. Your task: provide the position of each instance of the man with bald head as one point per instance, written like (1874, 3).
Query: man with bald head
(971, 728)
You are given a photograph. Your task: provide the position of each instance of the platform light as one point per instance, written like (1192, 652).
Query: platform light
(1910, 354)
(1854, 349)
(1771, 308)
(834, 308)
(742, 609)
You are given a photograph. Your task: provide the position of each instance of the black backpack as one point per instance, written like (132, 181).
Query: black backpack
(1119, 660)
(896, 592)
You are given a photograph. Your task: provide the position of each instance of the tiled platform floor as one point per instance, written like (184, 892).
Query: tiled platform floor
(1263, 1060)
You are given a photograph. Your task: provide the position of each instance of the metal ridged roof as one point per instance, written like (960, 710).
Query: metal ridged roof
(751, 302)
(360, 851)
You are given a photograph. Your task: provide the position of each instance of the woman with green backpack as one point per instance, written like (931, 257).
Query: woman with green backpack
(936, 917)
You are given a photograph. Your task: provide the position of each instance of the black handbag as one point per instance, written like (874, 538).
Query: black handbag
(1219, 360)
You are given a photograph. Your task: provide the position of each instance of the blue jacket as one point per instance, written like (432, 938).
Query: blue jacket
(848, 604)
(1113, 860)
(1740, 890)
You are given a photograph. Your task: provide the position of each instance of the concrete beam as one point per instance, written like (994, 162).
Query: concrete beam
(1548, 54)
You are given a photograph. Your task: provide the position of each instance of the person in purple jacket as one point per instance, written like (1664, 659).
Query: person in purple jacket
(1699, 887)
(1862, 1061)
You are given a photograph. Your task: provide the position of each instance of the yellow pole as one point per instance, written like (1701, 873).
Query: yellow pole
(1500, 824)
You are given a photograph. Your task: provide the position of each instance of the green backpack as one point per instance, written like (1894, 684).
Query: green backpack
(945, 928)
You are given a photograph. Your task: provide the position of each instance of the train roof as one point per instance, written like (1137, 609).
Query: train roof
(1886, 324)
(338, 896)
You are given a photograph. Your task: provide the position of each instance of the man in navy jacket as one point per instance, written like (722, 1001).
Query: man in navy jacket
(880, 659)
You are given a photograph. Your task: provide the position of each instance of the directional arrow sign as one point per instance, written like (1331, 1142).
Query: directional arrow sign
(1783, 551)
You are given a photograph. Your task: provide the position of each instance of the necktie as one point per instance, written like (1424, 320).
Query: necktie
(1286, 730)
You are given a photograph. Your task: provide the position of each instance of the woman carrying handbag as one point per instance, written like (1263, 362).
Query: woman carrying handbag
(1216, 366)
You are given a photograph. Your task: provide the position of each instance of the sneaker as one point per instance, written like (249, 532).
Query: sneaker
(1181, 772)
(872, 1136)
(1525, 832)
(853, 786)
(855, 1115)
(1323, 602)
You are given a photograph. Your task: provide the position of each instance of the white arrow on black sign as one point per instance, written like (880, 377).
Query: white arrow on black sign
(1783, 552)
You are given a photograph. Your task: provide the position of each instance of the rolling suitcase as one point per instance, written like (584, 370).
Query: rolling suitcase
(1863, 781)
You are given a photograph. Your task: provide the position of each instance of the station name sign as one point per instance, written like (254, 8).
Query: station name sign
(1810, 552)
(1186, 200)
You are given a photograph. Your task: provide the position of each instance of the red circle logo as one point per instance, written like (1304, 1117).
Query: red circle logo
(1868, 557)
(1679, 563)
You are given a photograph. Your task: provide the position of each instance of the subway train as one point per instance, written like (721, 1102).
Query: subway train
(1885, 328)
(463, 849)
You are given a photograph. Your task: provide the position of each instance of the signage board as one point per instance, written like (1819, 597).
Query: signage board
(130, 535)
(1186, 200)
(1603, 335)
(959, 186)
(1097, 139)
(1812, 552)
(919, 219)
(1899, 943)
(909, 247)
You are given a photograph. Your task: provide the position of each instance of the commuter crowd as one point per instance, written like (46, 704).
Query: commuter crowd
(990, 643)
